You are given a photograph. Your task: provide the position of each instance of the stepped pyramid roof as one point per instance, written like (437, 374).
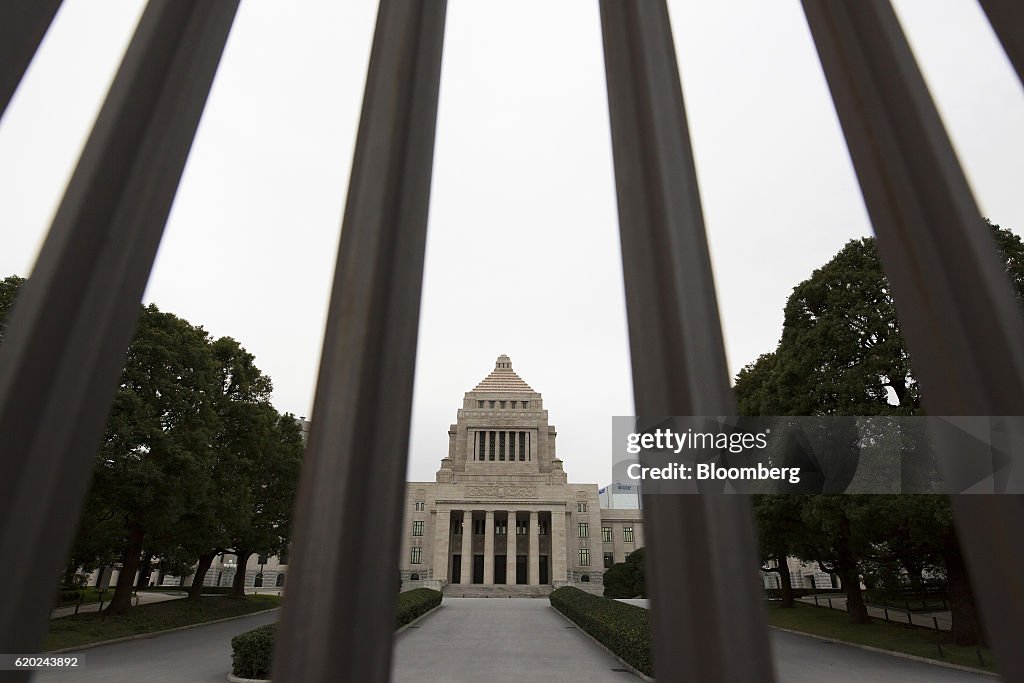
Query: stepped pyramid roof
(503, 380)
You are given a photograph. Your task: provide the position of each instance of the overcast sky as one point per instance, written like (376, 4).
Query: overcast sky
(522, 251)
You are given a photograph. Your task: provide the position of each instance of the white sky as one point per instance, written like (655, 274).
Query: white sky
(522, 252)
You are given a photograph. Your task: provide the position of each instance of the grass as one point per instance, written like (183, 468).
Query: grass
(82, 629)
(912, 640)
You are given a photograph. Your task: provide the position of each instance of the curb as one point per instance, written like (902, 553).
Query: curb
(894, 653)
(140, 636)
(638, 674)
(417, 619)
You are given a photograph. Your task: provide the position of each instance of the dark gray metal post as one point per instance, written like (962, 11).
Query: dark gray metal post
(75, 317)
(957, 311)
(23, 23)
(700, 618)
(339, 617)
(1007, 19)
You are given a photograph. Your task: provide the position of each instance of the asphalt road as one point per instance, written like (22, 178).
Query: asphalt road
(489, 640)
(198, 655)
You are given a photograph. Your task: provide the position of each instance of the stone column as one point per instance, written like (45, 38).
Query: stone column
(559, 547)
(442, 525)
(467, 547)
(533, 562)
(510, 549)
(489, 548)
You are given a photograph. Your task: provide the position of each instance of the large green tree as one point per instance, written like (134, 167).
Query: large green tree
(157, 451)
(842, 353)
(626, 579)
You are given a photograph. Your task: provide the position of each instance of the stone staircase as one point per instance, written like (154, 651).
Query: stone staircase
(458, 590)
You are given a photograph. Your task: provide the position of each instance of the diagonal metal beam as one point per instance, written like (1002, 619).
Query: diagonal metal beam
(957, 310)
(701, 617)
(350, 504)
(23, 23)
(1007, 19)
(75, 317)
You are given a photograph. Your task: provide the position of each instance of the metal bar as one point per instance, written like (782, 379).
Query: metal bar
(23, 23)
(700, 618)
(1007, 18)
(957, 312)
(75, 317)
(353, 479)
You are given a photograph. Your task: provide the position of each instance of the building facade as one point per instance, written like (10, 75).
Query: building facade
(501, 516)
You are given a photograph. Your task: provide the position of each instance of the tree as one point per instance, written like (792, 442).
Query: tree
(626, 579)
(9, 287)
(842, 353)
(156, 453)
(778, 522)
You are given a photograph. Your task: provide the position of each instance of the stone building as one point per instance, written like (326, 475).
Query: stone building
(501, 517)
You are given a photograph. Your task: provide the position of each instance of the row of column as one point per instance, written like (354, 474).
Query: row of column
(501, 445)
(442, 542)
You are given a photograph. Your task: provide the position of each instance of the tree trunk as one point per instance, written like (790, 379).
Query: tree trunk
(855, 606)
(196, 589)
(122, 600)
(238, 585)
(145, 569)
(785, 582)
(964, 611)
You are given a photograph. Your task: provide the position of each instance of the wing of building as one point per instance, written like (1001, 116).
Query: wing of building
(500, 517)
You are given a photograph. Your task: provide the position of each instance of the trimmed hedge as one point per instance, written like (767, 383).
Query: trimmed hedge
(620, 627)
(415, 603)
(251, 652)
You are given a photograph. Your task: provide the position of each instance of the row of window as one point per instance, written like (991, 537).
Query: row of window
(501, 404)
(416, 557)
(501, 446)
(606, 534)
(522, 528)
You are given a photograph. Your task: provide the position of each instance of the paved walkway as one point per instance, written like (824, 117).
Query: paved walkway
(197, 655)
(500, 640)
(143, 598)
(943, 618)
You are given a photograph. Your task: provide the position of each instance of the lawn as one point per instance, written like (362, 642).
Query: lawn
(91, 627)
(87, 595)
(908, 639)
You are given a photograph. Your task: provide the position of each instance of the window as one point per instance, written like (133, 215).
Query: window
(501, 446)
(501, 404)
(501, 528)
(522, 446)
(414, 577)
(417, 555)
(627, 534)
(542, 527)
(608, 560)
(479, 527)
(480, 449)
(490, 452)
(479, 404)
(584, 530)
(584, 557)
(420, 506)
(490, 404)
(581, 507)
(417, 528)
(585, 578)
(606, 534)
(521, 527)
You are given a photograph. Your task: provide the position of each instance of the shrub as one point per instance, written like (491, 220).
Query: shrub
(620, 627)
(251, 652)
(414, 603)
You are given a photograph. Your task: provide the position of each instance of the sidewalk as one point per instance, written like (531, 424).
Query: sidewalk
(941, 620)
(141, 598)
